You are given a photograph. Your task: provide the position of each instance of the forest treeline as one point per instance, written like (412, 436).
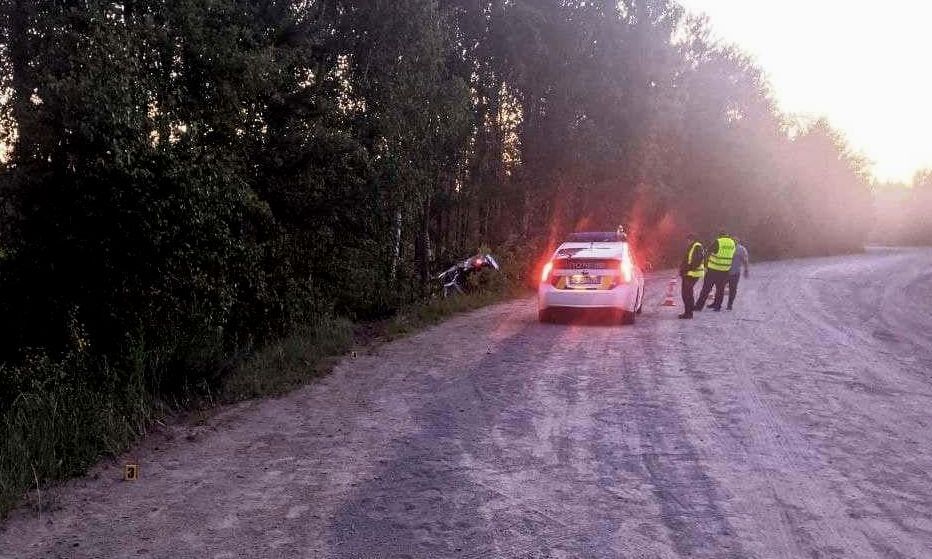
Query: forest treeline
(186, 180)
(903, 214)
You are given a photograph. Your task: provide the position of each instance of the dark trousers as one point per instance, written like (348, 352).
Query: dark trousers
(689, 293)
(716, 279)
(732, 288)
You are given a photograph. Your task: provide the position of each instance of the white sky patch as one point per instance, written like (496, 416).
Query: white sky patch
(864, 65)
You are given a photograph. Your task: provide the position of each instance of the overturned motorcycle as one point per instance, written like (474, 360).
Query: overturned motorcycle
(455, 279)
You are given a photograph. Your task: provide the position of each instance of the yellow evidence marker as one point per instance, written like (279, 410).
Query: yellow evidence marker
(131, 472)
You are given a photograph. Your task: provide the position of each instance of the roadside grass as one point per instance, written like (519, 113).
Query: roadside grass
(313, 350)
(59, 430)
(61, 425)
(288, 363)
(431, 312)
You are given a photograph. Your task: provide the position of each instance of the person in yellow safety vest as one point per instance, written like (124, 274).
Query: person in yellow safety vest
(720, 256)
(692, 269)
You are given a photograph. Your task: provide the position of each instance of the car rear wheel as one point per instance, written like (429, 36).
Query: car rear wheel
(640, 303)
(544, 315)
(625, 317)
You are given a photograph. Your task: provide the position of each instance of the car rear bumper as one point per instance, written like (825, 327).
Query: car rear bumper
(623, 297)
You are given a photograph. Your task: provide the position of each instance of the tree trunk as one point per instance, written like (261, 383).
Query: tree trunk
(396, 256)
(422, 247)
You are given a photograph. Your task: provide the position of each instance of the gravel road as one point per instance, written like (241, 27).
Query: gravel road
(795, 426)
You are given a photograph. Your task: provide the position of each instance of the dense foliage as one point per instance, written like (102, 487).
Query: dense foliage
(186, 180)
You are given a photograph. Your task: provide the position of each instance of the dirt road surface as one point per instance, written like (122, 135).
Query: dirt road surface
(797, 425)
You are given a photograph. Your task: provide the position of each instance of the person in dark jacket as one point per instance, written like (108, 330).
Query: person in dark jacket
(740, 260)
(692, 269)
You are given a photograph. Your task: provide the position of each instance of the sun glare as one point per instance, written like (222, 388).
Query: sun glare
(863, 65)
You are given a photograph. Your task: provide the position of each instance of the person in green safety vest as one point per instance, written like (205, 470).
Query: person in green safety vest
(718, 262)
(692, 269)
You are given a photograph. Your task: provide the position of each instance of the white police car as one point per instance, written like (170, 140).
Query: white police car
(592, 270)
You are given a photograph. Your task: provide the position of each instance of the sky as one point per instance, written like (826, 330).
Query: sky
(866, 65)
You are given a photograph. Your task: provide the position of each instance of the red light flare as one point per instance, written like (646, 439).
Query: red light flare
(654, 229)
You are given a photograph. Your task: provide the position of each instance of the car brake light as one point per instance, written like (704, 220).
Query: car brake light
(548, 267)
(627, 270)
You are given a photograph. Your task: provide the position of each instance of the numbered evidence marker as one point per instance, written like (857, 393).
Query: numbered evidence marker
(131, 472)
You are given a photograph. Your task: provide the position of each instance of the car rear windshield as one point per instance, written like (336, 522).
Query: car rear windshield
(595, 237)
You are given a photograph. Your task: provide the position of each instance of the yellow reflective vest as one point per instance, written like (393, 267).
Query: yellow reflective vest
(721, 260)
(698, 271)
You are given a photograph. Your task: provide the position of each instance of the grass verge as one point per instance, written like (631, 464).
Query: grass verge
(61, 427)
(290, 362)
(434, 311)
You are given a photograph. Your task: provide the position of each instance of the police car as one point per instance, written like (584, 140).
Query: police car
(592, 270)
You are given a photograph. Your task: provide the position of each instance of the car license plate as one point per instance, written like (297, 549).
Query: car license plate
(585, 279)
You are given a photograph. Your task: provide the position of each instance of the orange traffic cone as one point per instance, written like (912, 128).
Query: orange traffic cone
(671, 289)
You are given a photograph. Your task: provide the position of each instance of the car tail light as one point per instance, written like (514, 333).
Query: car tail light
(545, 275)
(627, 269)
